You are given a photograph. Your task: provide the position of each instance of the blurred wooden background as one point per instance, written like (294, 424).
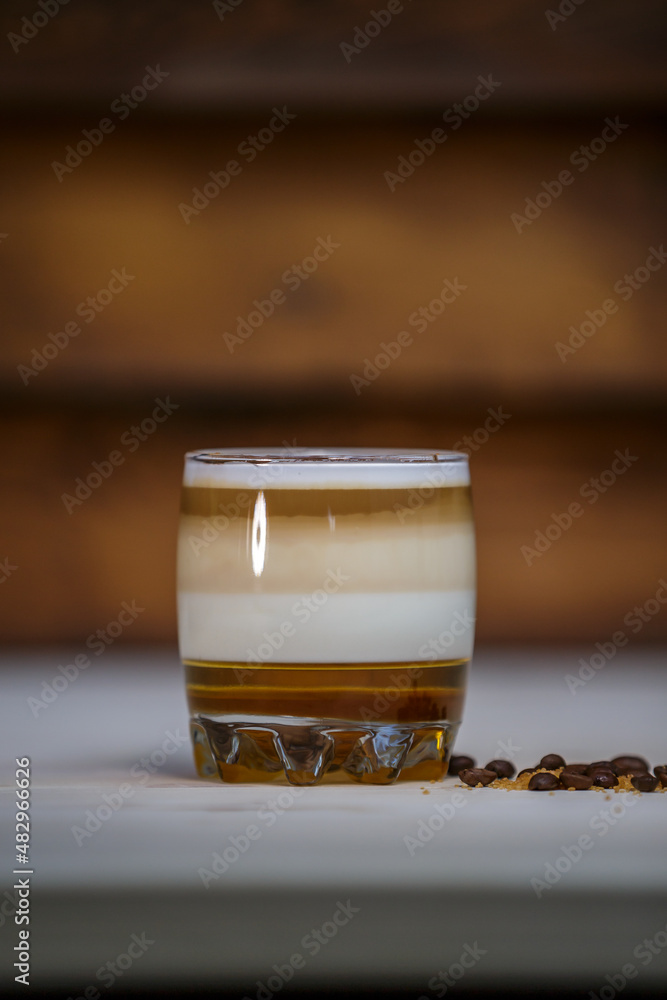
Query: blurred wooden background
(322, 177)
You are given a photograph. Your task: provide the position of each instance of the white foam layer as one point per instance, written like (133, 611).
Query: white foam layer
(325, 468)
(327, 628)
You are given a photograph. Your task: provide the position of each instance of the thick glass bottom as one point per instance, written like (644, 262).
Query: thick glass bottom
(314, 723)
(310, 752)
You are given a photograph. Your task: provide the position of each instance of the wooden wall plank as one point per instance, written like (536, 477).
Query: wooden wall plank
(271, 50)
(451, 220)
(74, 570)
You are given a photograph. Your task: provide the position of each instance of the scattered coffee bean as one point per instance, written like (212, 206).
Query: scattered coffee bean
(543, 782)
(601, 774)
(503, 768)
(606, 764)
(575, 779)
(477, 775)
(603, 779)
(460, 763)
(630, 772)
(551, 761)
(644, 782)
(627, 763)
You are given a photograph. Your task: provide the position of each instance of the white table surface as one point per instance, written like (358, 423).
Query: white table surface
(470, 884)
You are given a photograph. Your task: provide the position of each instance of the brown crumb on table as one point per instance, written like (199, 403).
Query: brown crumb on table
(520, 783)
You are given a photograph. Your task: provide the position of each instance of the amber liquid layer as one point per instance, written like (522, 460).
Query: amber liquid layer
(308, 723)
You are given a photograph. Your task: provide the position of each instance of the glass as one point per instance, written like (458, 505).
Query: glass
(326, 605)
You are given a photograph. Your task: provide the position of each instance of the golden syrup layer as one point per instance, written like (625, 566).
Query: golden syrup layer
(410, 692)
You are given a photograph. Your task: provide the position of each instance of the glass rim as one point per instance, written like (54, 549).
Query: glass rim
(322, 456)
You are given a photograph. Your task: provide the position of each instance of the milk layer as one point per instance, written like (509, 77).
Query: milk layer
(323, 627)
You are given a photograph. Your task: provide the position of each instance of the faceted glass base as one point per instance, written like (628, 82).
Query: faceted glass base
(314, 751)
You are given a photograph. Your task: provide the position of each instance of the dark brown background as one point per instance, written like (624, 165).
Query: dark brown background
(291, 381)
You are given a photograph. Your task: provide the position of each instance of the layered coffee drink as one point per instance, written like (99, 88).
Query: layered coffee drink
(326, 612)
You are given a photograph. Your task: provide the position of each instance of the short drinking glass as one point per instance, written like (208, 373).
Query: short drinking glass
(326, 612)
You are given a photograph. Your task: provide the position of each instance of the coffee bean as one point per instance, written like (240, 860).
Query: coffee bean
(629, 772)
(645, 782)
(600, 765)
(607, 764)
(604, 779)
(551, 761)
(598, 774)
(606, 775)
(543, 782)
(477, 775)
(628, 762)
(574, 779)
(460, 763)
(503, 768)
